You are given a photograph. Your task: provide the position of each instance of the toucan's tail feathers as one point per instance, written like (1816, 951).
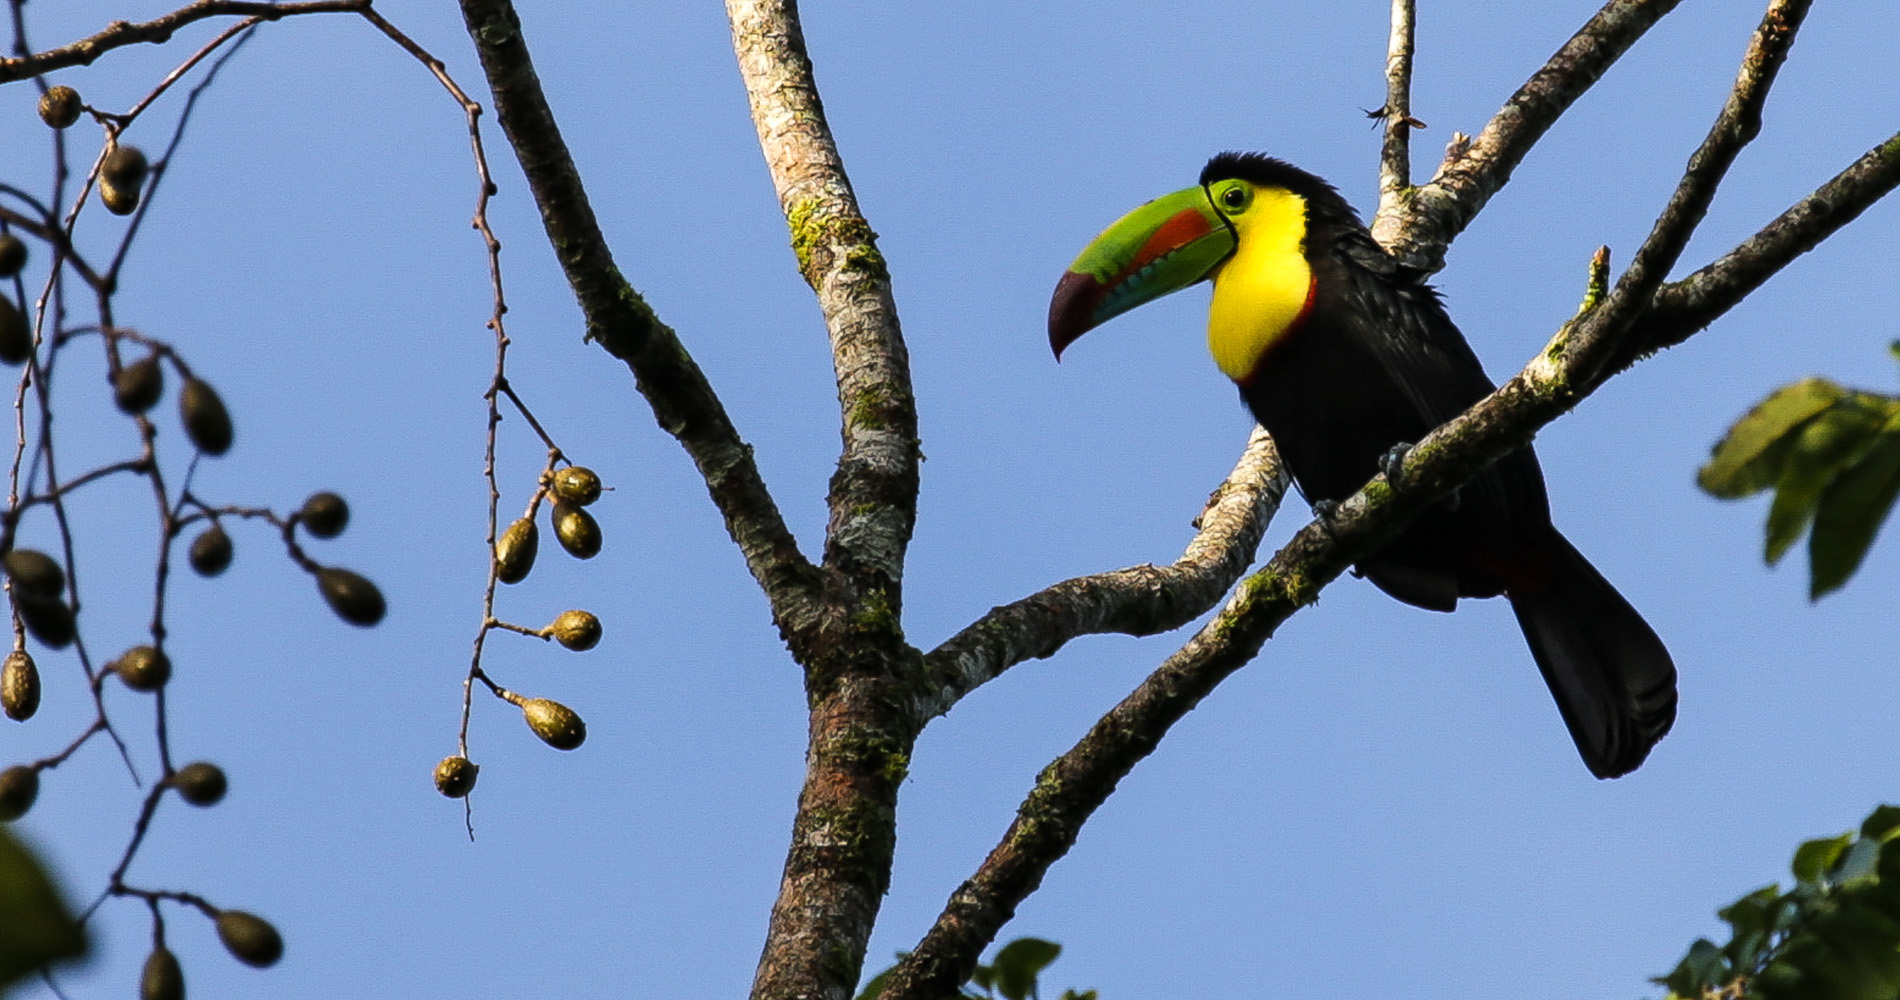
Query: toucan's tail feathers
(1612, 677)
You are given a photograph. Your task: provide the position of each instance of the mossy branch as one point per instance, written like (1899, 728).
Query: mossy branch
(873, 500)
(843, 838)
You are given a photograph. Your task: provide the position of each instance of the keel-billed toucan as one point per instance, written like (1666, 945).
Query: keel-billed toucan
(1342, 354)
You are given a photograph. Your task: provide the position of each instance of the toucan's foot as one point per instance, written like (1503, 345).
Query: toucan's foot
(1323, 513)
(1391, 462)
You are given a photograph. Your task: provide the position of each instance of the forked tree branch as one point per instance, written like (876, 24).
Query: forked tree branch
(1683, 308)
(844, 836)
(1736, 126)
(1441, 209)
(620, 320)
(873, 499)
(1139, 600)
(1556, 380)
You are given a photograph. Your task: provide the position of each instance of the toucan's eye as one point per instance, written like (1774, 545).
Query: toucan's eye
(1234, 198)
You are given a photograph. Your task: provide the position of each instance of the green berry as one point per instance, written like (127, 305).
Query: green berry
(576, 485)
(60, 106)
(201, 784)
(557, 725)
(455, 776)
(352, 596)
(250, 938)
(577, 531)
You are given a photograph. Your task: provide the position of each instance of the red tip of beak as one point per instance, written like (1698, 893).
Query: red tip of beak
(1072, 309)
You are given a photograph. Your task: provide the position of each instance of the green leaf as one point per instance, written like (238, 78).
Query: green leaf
(1864, 963)
(1785, 914)
(1702, 966)
(1881, 824)
(1753, 912)
(1080, 995)
(1019, 963)
(36, 929)
(1824, 446)
(1752, 919)
(1851, 510)
(1777, 981)
(1749, 458)
(1858, 863)
(1814, 858)
(1889, 865)
(984, 977)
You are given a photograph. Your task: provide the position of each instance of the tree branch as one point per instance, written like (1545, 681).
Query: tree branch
(1441, 209)
(1395, 153)
(873, 498)
(618, 318)
(857, 678)
(1139, 600)
(1683, 308)
(1737, 125)
(159, 30)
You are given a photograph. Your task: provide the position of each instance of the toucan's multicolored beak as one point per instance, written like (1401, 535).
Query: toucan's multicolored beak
(1161, 247)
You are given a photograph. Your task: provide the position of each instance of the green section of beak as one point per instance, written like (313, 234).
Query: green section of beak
(1161, 247)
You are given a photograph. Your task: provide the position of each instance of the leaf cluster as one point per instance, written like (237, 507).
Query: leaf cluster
(1832, 457)
(1834, 936)
(1011, 974)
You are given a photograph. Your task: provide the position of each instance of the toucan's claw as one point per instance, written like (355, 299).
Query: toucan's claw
(1323, 511)
(1393, 462)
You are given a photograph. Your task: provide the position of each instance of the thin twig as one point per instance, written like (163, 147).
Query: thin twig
(159, 30)
(51, 233)
(160, 165)
(1683, 308)
(1395, 152)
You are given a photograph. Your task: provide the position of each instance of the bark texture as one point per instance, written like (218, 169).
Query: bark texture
(874, 493)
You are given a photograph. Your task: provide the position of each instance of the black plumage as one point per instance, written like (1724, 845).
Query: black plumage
(1376, 361)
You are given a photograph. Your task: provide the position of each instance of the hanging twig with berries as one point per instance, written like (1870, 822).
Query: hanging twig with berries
(44, 586)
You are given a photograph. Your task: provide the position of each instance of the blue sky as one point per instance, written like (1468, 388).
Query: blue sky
(1386, 800)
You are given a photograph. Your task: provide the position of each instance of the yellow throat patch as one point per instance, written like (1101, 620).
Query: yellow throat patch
(1263, 289)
